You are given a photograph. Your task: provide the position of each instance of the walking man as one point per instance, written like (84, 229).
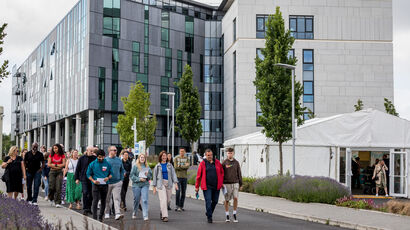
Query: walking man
(34, 164)
(114, 184)
(181, 165)
(232, 182)
(210, 175)
(81, 176)
(126, 163)
(99, 172)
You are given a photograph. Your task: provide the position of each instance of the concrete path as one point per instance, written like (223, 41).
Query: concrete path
(321, 213)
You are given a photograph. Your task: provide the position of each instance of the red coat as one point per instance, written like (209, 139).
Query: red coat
(201, 175)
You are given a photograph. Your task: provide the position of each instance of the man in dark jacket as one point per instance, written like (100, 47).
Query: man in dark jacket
(232, 182)
(81, 176)
(127, 164)
(34, 163)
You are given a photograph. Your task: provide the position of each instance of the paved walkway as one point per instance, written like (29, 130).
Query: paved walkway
(321, 213)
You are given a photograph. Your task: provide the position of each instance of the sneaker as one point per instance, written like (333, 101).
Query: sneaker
(46, 198)
(179, 209)
(146, 219)
(176, 209)
(118, 217)
(53, 203)
(134, 216)
(183, 209)
(34, 203)
(235, 220)
(169, 207)
(210, 220)
(227, 219)
(377, 194)
(387, 195)
(107, 216)
(165, 219)
(59, 206)
(62, 202)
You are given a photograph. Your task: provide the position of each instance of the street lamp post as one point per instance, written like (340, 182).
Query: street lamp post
(172, 94)
(167, 129)
(291, 67)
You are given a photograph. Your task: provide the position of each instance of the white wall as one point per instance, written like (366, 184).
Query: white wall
(353, 55)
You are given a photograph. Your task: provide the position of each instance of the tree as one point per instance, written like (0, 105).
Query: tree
(389, 106)
(7, 143)
(358, 106)
(136, 105)
(3, 68)
(188, 114)
(273, 84)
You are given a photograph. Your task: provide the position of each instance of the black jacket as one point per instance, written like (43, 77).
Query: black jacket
(127, 166)
(82, 166)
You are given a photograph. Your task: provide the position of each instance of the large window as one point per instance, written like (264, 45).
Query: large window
(101, 88)
(212, 101)
(301, 27)
(211, 125)
(168, 62)
(165, 29)
(308, 82)
(111, 18)
(189, 34)
(261, 21)
(179, 64)
(136, 57)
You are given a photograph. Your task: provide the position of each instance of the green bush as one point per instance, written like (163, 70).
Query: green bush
(192, 174)
(270, 186)
(247, 184)
(152, 165)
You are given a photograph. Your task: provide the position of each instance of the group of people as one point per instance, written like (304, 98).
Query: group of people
(102, 181)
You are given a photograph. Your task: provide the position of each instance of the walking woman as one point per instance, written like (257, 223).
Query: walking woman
(73, 190)
(64, 183)
(56, 162)
(44, 175)
(140, 176)
(163, 179)
(14, 173)
(379, 174)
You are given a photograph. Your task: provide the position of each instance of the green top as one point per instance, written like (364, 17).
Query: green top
(181, 167)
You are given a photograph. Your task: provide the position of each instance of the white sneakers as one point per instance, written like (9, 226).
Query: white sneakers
(118, 216)
(134, 216)
(107, 216)
(146, 219)
(59, 206)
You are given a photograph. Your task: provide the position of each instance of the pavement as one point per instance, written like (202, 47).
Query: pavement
(255, 212)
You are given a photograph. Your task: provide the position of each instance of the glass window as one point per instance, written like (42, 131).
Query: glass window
(101, 72)
(234, 30)
(116, 24)
(301, 27)
(116, 4)
(291, 54)
(308, 75)
(301, 24)
(260, 22)
(136, 47)
(189, 25)
(307, 98)
(293, 24)
(165, 19)
(308, 87)
(107, 3)
(309, 25)
(307, 56)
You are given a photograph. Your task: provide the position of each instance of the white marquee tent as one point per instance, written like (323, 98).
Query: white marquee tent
(324, 144)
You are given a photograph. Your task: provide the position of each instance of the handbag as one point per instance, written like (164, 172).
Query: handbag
(5, 176)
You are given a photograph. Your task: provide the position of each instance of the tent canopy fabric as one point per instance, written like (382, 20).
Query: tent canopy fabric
(368, 128)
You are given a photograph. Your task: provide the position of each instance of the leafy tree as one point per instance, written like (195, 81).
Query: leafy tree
(389, 106)
(136, 105)
(3, 68)
(7, 143)
(358, 106)
(273, 84)
(188, 114)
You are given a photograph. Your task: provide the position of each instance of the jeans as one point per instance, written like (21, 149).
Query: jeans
(211, 200)
(45, 182)
(141, 193)
(36, 178)
(99, 193)
(114, 191)
(124, 189)
(54, 188)
(87, 195)
(180, 193)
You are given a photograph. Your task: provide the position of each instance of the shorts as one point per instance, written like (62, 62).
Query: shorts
(232, 191)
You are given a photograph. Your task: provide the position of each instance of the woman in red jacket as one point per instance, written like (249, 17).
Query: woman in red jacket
(210, 175)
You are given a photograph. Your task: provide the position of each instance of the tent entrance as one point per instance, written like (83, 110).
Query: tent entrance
(398, 173)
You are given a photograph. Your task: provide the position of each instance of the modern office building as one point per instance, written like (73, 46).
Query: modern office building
(69, 89)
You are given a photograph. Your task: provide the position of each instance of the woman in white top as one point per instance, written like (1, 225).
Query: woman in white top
(73, 190)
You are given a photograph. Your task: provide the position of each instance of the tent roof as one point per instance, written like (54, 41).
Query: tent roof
(368, 128)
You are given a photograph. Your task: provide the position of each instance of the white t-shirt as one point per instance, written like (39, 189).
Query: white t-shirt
(72, 165)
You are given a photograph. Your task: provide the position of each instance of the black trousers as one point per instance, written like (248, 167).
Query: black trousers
(99, 193)
(181, 192)
(124, 189)
(87, 195)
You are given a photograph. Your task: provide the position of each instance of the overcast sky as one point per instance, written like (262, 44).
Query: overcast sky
(30, 22)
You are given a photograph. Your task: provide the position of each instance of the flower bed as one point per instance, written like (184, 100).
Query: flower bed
(302, 188)
(15, 214)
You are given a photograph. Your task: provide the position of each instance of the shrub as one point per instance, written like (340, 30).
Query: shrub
(398, 207)
(152, 165)
(313, 189)
(269, 186)
(192, 174)
(247, 184)
(15, 214)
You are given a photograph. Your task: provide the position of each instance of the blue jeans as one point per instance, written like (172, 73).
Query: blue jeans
(36, 178)
(211, 200)
(45, 182)
(141, 193)
(180, 193)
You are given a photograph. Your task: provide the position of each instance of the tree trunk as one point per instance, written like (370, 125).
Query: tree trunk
(280, 159)
(192, 146)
